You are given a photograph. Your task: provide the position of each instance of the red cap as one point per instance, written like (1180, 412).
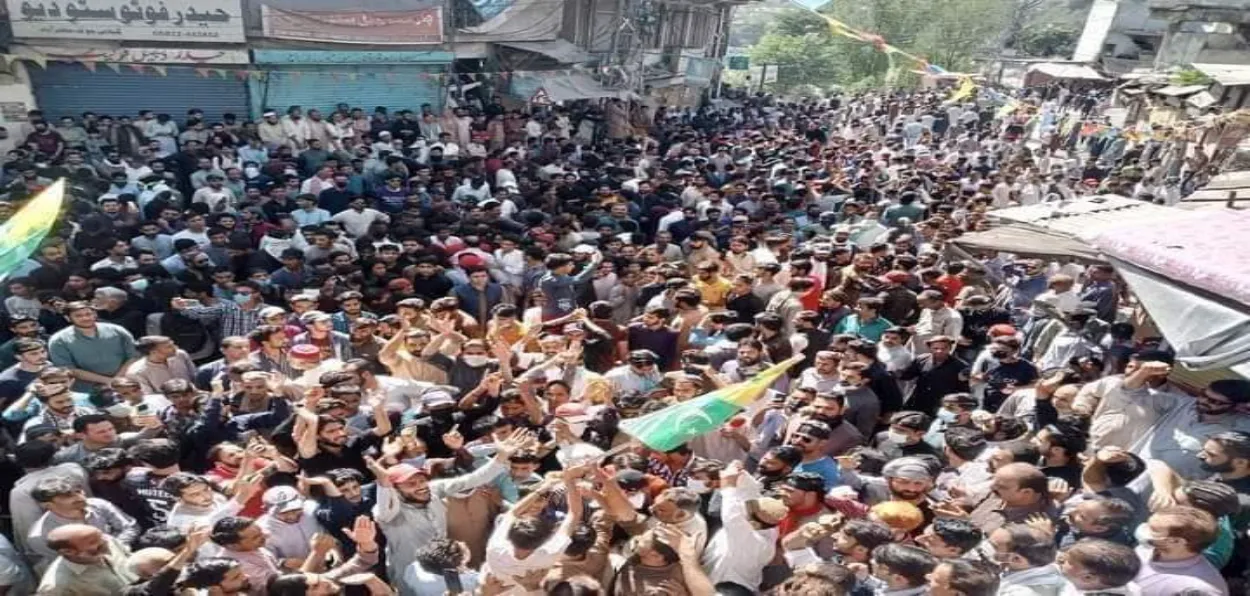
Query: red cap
(1002, 330)
(305, 352)
(401, 472)
(895, 277)
(471, 261)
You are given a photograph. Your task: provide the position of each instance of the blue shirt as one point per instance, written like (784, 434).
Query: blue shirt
(826, 468)
(871, 330)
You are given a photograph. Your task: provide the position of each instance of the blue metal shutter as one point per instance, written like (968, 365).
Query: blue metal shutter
(396, 86)
(65, 89)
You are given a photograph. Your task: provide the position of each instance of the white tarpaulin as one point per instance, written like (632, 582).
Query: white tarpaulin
(1206, 333)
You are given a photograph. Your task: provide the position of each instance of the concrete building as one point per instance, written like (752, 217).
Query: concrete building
(1123, 35)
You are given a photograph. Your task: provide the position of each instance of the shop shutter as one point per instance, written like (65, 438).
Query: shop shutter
(64, 89)
(396, 86)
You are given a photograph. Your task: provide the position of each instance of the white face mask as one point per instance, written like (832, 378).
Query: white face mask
(698, 486)
(896, 437)
(251, 172)
(577, 429)
(476, 360)
(637, 500)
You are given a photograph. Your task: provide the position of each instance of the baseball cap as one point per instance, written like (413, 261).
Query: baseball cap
(402, 472)
(313, 316)
(436, 398)
(281, 499)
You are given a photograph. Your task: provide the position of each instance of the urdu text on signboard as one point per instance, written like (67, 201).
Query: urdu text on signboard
(207, 21)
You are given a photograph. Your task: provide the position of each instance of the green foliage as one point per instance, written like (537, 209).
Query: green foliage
(1189, 76)
(1047, 40)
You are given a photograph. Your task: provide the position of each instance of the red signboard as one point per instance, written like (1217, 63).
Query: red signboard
(402, 27)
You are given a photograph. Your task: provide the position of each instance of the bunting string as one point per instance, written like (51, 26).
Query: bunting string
(295, 74)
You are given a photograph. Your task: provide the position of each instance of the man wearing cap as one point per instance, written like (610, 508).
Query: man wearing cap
(411, 510)
(288, 522)
(639, 375)
(747, 541)
(309, 364)
(810, 438)
(321, 334)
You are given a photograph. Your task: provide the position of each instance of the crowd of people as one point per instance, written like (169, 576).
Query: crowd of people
(392, 354)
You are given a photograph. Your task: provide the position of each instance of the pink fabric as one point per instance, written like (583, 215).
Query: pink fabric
(1204, 249)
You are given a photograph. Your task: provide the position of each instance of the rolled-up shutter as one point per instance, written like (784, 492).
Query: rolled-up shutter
(395, 86)
(69, 89)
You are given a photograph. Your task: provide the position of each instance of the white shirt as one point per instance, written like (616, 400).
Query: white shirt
(356, 223)
(200, 238)
(739, 551)
(183, 516)
(502, 562)
(290, 541)
(128, 262)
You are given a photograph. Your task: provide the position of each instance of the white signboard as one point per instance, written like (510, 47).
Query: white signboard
(144, 55)
(209, 21)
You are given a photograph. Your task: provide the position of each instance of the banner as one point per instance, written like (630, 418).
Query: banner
(143, 55)
(394, 27)
(138, 20)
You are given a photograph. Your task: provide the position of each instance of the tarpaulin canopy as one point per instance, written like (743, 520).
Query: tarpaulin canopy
(1051, 229)
(564, 86)
(1193, 277)
(556, 49)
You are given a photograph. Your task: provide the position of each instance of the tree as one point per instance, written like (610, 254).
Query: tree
(799, 59)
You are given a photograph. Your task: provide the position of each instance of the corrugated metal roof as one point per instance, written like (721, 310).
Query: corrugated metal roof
(1072, 217)
(1229, 75)
(1067, 71)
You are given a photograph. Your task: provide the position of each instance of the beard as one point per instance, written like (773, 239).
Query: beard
(1216, 468)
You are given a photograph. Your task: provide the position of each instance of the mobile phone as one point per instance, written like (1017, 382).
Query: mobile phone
(142, 409)
(192, 303)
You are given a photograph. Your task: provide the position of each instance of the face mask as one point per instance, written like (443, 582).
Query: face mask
(946, 415)
(577, 428)
(139, 285)
(251, 172)
(242, 298)
(476, 360)
(896, 437)
(637, 500)
(698, 486)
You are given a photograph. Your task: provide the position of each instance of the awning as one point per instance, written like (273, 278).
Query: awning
(1205, 248)
(1024, 242)
(556, 49)
(561, 86)
(1178, 90)
(1067, 71)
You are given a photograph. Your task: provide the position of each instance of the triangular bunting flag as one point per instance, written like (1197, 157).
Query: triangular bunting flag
(136, 67)
(203, 72)
(38, 59)
(257, 75)
(87, 64)
(161, 70)
(241, 75)
(117, 68)
(221, 72)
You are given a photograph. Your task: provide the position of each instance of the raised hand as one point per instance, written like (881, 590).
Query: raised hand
(364, 533)
(453, 440)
